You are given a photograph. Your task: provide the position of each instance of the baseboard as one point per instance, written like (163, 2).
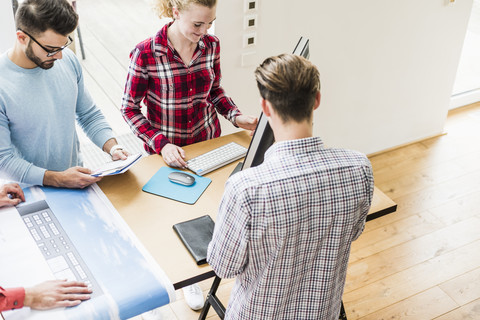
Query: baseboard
(463, 99)
(405, 144)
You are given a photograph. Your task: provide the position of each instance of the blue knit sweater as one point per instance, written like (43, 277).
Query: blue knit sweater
(38, 109)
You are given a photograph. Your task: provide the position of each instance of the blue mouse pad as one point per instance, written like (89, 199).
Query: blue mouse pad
(160, 185)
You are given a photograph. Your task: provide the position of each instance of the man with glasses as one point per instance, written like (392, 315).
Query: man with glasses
(42, 93)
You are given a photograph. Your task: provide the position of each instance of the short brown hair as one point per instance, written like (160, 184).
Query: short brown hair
(290, 83)
(163, 8)
(37, 16)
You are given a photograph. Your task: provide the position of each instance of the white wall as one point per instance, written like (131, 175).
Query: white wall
(387, 67)
(7, 27)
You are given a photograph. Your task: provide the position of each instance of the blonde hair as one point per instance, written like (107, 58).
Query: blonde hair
(163, 8)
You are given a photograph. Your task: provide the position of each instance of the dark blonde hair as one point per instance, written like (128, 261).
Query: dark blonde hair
(163, 8)
(290, 83)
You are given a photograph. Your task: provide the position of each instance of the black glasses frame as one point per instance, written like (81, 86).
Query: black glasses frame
(50, 53)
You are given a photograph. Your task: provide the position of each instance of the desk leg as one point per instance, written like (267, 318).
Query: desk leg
(212, 300)
(343, 314)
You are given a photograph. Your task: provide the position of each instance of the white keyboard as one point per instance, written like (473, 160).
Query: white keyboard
(216, 158)
(58, 250)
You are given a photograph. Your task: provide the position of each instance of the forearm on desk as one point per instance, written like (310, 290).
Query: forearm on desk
(20, 170)
(12, 298)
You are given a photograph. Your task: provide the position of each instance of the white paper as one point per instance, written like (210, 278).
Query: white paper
(116, 167)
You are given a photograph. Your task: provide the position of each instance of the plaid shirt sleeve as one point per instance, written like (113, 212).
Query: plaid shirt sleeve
(224, 104)
(136, 88)
(369, 185)
(12, 298)
(227, 252)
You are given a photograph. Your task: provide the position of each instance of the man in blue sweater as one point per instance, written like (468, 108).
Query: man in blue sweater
(42, 93)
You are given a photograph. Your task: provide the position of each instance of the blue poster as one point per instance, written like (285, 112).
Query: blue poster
(81, 236)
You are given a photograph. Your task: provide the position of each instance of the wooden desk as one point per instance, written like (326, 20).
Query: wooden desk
(151, 217)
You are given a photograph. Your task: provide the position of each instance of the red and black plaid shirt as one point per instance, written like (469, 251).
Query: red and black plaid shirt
(181, 100)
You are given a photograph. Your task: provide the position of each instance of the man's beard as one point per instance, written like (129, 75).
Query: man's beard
(42, 64)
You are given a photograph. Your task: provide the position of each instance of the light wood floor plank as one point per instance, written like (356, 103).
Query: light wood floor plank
(394, 234)
(437, 195)
(425, 305)
(401, 285)
(458, 209)
(464, 288)
(469, 311)
(411, 253)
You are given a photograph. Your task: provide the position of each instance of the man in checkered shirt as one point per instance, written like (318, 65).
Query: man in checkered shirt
(284, 228)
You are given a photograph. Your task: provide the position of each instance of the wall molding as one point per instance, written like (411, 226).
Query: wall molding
(463, 99)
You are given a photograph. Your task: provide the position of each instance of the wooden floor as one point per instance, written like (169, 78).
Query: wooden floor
(422, 262)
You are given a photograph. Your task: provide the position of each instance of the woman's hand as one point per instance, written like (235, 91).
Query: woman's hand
(246, 122)
(174, 156)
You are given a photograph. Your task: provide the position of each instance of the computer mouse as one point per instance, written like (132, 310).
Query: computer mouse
(181, 178)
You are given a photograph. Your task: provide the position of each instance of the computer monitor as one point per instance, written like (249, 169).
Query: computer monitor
(302, 48)
(263, 137)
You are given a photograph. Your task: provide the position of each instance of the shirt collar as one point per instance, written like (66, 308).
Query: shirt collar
(295, 147)
(161, 43)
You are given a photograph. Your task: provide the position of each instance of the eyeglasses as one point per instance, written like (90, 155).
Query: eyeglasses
(50, 52)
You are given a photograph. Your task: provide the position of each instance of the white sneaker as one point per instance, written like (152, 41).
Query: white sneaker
(194, 297)
(155, 314)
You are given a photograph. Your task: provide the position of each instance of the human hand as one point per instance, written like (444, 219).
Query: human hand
(56, 293)
(116, 151)
(120, 154)
(174, 156)
(11, 194)
(75, 177)
(246, 122)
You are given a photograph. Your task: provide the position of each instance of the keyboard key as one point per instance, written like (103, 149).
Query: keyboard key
(66, 274)
(59, 253)
(57, 264)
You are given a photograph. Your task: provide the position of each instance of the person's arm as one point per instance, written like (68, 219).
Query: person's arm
(11, 194)
(11, 298)
(89, 117)
(56, 293)
(246, 122)
(92, 120)
(23, 171)
(75, 177)
(136, 89)
(227, 252)
(116, 151)
(368, 187)
(12, 166)
(174, 155)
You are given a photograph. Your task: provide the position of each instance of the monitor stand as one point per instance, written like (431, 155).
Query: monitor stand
(238, 168)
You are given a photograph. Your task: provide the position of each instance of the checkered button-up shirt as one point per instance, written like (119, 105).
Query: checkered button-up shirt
(284, 229)
(181, 100)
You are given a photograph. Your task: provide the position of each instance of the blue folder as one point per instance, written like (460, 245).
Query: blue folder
(160, 185)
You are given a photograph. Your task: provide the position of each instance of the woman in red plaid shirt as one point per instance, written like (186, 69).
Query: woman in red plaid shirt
(176, 74)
